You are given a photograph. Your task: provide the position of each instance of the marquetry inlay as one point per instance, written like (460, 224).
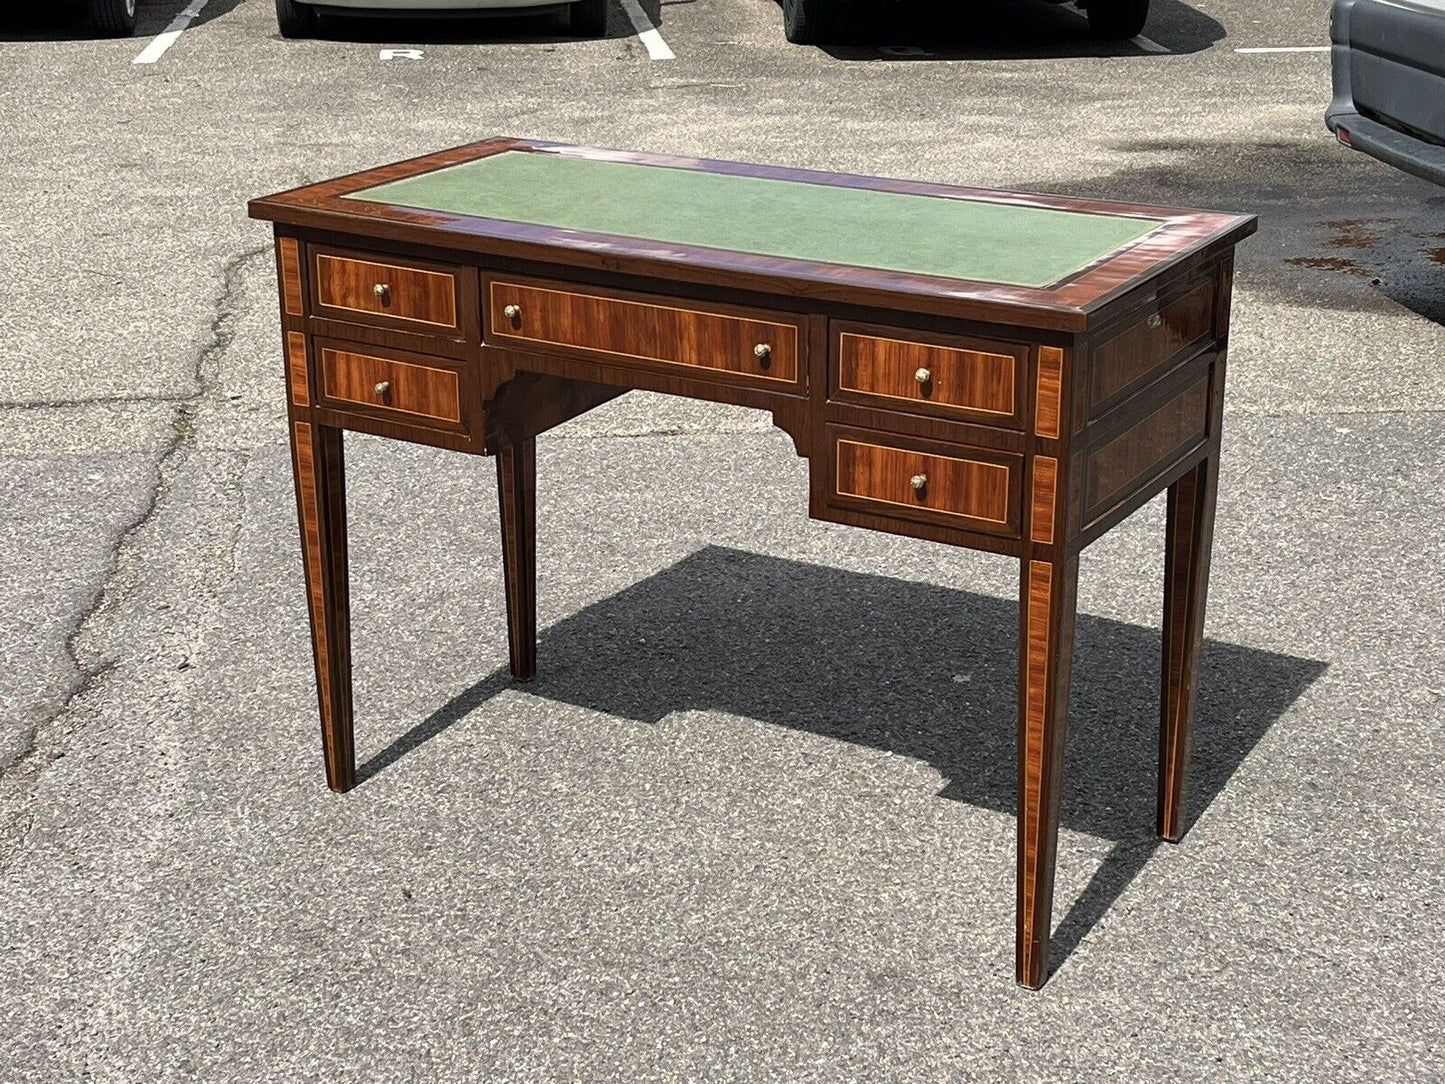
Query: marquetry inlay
(296, 364)
(290, 275)
(1041, 518)
(315, 585)
(1050, 387)
(1036, 677)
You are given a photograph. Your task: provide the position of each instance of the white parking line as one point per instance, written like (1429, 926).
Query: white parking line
(167, 37)
(647, 33)
(1287, 49)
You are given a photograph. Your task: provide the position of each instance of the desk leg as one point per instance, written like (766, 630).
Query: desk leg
(1189, 534)
(517, 498)
(321, 504)
(1047, 601)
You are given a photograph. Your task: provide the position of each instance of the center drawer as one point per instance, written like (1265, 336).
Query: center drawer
(738, 345)
(979, 489)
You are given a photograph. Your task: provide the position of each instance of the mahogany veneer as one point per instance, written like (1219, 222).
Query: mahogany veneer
(1025, 421)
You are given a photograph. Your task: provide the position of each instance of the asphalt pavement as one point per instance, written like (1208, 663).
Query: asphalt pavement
(754, 821)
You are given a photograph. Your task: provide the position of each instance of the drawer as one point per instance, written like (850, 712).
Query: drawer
(392, 385)
(973, 379)
(975, 488)
(1148, 343)
(404, 294)
(723, 342)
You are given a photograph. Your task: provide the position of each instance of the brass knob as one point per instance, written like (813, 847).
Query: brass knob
(382, 291)
(924, 377)
(383, 388)
(512, 312)
(918, 481)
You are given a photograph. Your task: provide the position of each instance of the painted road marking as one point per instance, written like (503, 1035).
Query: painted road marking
(167, 37)
(1149, 45)
(647, 33)
(1287, 49)
(400, 54)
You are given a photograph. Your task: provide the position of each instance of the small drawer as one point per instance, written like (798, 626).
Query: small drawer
(403, 294)
(399, 387)
(1149, 342)
(975, 488)
(945, 375)
(736, 345)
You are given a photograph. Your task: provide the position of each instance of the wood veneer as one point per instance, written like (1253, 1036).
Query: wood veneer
(1159, 438)
(977, 487)
(1154, 339)
(288, 252)
(646, 329)
(967, 378)
(352, 287)
(391, 386)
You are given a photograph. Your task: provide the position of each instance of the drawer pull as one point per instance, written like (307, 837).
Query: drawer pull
(919, 482)
(924, 377)
(1155, 320)
(512, 312)
(382, 388)
(382, 291)
(764, 353)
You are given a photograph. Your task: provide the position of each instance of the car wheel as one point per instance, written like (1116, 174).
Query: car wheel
(807, 22)
(295, 20)
(588, 18)
(113, 18)
(1117, 19)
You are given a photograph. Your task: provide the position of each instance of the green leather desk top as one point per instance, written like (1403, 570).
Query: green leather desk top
(927, 235)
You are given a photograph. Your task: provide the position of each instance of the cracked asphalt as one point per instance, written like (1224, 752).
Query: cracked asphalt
(754, 819)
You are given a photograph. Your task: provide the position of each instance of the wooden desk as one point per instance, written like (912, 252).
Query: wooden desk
(1007, 372)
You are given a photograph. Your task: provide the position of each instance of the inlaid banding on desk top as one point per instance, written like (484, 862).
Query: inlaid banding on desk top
(969, 239)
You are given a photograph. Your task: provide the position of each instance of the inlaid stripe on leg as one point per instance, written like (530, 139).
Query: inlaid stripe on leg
(1041, 574)
(1046, 475)
(296, 368)
(311, 530)
(1179, 653)
(290, 275)
(1049, 390)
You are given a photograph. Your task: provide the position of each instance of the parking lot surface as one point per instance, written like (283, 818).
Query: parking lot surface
(669, 859)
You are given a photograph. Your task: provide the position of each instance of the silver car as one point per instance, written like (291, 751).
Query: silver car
(1388, 60)
(298, 19)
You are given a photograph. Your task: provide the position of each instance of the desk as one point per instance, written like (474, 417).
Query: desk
(1012, 373)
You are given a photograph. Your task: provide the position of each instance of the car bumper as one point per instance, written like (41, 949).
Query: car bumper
(1394, 148)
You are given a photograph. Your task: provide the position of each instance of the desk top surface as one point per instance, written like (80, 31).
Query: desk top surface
(837, 236)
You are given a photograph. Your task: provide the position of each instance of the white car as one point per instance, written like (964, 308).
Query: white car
(298, 19)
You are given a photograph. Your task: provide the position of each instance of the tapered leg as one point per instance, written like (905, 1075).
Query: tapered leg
(1047, 602)
(517, 497)
(321, 504)
(1189, 534)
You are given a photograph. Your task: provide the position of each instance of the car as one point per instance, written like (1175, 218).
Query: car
(298, 20)
(811, 21)
(112, 18)
(1388, 68)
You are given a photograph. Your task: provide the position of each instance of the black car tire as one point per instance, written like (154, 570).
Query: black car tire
(295, 20)
(588, 18)
(1117, 20)
(807, 22)
(113, 18)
